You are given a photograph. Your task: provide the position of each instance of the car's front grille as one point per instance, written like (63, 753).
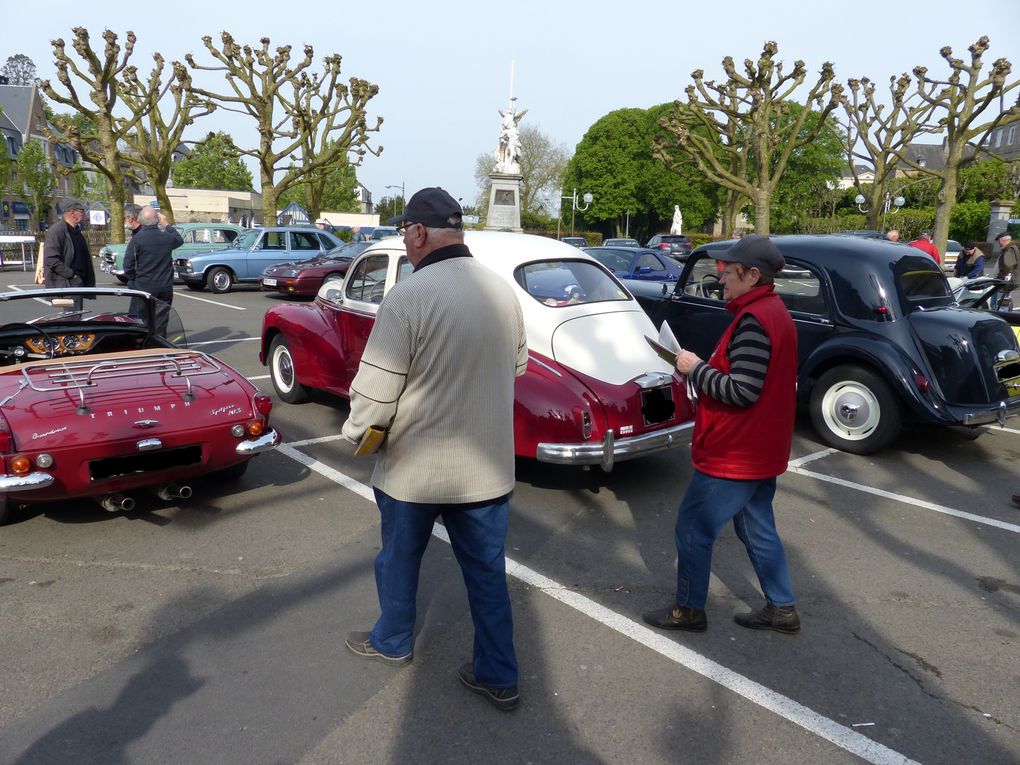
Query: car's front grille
(657, 405)
(115, 467)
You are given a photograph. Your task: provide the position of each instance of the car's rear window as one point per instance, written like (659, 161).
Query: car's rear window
(921, 283)
(568, 282)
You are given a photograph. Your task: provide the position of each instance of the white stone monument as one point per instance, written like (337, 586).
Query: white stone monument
(506, 181)
(678, 221)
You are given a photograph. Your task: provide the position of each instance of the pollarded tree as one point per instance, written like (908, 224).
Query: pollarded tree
(878, 133)
(293, 110)
(960, 102)
(746, 114)
(96, 134)
(153, 140)
(334, 190)
(214, 163)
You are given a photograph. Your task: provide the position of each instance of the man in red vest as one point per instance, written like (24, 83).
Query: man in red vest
(925, 244)
(743, 430)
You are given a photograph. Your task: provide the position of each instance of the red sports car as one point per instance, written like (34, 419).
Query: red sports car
(305, 278)
(594, 391)
(94, 402)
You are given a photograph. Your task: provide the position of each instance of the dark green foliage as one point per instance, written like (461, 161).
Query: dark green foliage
(213, 164)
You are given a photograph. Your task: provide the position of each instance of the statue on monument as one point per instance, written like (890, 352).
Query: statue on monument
(509, 152)
(678, 221)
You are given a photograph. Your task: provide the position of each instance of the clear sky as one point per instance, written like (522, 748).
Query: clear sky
(443, 67)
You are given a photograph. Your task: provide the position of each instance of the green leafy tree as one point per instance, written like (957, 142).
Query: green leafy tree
(614, 163)
(745, 114)
(389, 207)
(35, 179)
(334, 189)
(960, 103)
(214, 163)
(92, 187)
(19, 70)
(293, 110)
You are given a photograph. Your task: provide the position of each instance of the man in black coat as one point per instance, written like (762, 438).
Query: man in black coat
(149, 264)
(66, 258)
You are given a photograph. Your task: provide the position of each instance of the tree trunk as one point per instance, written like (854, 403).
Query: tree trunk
(163, 200)
(268, 204)
(946, 201)
(875, 206)
(762, 212)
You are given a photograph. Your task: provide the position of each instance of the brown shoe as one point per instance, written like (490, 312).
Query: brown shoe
(778, 618)
(677, 617)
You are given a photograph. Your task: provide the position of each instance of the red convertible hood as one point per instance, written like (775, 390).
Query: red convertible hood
(54, 403)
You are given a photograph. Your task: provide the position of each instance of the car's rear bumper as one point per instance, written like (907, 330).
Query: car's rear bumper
(13, 483)
(611, 449)
(1000, 413)
(268, 440)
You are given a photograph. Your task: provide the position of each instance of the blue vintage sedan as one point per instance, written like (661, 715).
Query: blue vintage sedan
(637, 263)
(250, 255)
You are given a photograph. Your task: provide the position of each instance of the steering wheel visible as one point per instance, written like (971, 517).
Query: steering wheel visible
(710, 287)
(48, 342)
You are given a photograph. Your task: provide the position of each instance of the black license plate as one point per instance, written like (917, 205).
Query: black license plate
(131, 464)
(1008, 373)
(657, 405)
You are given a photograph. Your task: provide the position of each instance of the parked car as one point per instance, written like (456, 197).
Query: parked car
(621, 243)
(864, 233)
(198, 237)
(881, 340)
(636, 263)
(94, 403)
(575, 241)
(250, 254)
(382, 232)
(978, 292)
(953, 250)
(594, 391)
(306, 276)
(676, 246)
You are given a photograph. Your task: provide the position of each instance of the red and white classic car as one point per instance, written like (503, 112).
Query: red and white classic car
(594, 392)
(95, 403)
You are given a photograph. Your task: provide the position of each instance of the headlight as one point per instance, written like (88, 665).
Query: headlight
(291, 272)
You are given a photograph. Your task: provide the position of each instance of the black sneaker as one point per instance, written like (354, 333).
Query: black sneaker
(360, 644)
(501, 698)
(779, 618)
(677, 617)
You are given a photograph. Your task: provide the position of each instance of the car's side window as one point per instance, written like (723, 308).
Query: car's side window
(404, 269)
(188, 237)
(325, 242)
(224, 235)
(201, 236)
(703, 280)
(800, 289)
(368, 283)
(649, 261)
(303, 240)
(274, 240)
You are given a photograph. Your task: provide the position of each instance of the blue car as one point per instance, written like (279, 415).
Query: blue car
(250, 254)
(637, 263)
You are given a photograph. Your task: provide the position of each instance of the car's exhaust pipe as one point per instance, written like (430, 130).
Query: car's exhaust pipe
(115, 503)
(170, 491)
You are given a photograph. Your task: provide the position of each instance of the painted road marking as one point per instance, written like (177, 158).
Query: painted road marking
(832, 731)
(225, 340)
(207, 300)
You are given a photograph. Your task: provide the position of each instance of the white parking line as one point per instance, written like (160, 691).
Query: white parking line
(258, 377)
(207, 300)
(785, 707)
(996, 429)
(225, 340)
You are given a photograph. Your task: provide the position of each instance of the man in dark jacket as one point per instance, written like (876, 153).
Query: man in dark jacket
(66, 258)
(149, 264)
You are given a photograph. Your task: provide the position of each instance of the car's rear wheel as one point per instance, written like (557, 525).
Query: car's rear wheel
(195, 287)
(855, 410)
(220, 280)
(283, 374)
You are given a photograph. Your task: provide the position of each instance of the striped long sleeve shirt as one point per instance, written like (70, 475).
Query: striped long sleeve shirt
(749, 352)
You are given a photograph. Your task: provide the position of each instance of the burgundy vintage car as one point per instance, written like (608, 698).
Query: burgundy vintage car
(305, 277)
(95, 403)
(594, 392)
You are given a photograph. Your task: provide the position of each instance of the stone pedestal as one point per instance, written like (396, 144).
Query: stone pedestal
(504, 203)
(999, 218)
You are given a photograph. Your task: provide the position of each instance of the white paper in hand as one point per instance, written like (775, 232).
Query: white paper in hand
(668, 339)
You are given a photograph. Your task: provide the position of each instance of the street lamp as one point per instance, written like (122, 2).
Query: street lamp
(574, 207)
(403, 200)
(890, 200)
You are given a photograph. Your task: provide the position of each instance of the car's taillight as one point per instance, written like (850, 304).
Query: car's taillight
(256, 428)
(922, 382)
(263, 403)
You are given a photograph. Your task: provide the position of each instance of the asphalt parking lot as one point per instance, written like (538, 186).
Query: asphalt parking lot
(211, 631)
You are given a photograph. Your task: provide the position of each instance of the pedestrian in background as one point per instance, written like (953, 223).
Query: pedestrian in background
(131, 218)
(1009, 260)
(438, 374)
(925, 244)
(149, 263)
(743, 431)
(970, 263)
(892, 235)
(66, 258)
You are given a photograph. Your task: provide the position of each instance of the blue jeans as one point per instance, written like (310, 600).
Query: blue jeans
(707, 504)
(477, 533)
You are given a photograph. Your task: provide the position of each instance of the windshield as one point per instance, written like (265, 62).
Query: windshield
(247, 239)
(559, 283)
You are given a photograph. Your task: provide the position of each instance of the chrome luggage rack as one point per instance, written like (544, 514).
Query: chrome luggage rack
(78, 375)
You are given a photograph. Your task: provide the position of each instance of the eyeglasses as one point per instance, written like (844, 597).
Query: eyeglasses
(402, 228)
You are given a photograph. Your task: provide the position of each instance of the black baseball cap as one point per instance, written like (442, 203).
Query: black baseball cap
(754, 251)
(1001, 234)
(433, 208)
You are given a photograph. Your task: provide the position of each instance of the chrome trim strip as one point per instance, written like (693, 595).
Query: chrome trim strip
(268, 440)
(28, 482)
(544, 365)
